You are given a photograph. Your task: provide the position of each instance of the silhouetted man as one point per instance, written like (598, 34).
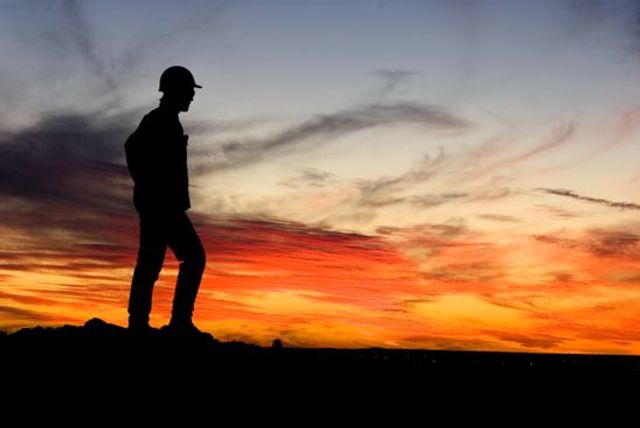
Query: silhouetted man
(157, 160)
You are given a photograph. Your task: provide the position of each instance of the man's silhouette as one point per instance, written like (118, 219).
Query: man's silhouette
(157, 160)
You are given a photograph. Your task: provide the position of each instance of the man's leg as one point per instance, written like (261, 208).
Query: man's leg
(150, 258)
(186, 245)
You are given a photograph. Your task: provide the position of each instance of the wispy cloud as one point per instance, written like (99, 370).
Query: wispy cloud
(441, 169)
(65, 173)
(559, 136)
(322, 128)
(308, 177)
(60, 29)
(556, 212)
(500, 218)
(621, 131)
(76, 33)
(392, 79)
(62, 37)
(627, 124)
(21, 315)
(600, 201)
(453, 176)
(388, 190)
(614, 242)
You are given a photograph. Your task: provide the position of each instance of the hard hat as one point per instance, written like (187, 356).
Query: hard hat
(177, 77)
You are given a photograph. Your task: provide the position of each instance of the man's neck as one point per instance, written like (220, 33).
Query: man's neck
(169, 108)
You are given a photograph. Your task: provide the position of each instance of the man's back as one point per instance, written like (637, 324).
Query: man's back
(157, 160)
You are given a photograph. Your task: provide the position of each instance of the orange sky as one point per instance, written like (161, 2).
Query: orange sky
(421, 287)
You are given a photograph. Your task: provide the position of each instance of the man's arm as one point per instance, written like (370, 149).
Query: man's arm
(144, 153)
(132, 153)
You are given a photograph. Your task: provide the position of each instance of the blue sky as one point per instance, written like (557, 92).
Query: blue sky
(286, 57)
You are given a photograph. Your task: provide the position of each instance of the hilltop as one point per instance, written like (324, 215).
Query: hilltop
(102, 349)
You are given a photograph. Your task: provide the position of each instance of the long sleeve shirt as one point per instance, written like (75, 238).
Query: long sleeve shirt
(157, 160)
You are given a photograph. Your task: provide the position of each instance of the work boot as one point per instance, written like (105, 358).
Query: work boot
(185, 328)
(139, 326)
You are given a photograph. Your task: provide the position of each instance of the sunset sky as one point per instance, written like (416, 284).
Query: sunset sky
(453, 174)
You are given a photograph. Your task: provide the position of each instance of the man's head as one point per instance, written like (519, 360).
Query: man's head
(177, 84)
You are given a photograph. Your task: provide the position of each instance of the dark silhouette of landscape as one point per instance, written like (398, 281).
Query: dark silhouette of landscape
(105, 347)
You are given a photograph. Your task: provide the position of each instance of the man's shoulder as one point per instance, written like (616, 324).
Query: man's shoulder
(148, 125)
(158, 118)
(155, 116)
(152, 123)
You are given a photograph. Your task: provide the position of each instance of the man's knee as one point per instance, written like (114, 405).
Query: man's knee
(196, 260)
(201, 260)
(148, 272)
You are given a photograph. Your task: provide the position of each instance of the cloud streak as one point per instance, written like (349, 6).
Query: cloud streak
(60, 29)
(387, 191)
(81, 37)
(60, 44)
(501, 218)
(599, 201)
(452, 176)
(61, 147)
(393, 79)
(308, 177)
(617, 245)
(322, 128)
(559, 136)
